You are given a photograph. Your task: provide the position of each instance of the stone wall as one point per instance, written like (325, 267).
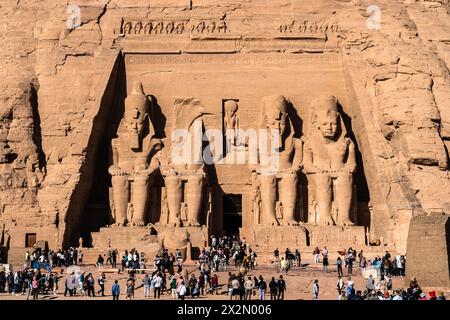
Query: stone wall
(58, 85)
(428, 250)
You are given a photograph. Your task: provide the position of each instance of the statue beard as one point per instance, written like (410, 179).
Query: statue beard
(134, 140)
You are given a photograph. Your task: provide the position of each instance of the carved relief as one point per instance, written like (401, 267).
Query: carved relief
(306, 26)
(231, 122)
(174, 27)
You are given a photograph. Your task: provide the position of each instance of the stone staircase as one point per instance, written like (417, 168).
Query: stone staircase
(120, 238)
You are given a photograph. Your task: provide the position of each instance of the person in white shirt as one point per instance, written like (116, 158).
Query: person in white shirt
(397, 296)
(158, 284)
(182, 291)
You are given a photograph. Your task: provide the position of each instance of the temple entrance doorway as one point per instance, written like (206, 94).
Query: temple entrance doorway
(232, 214)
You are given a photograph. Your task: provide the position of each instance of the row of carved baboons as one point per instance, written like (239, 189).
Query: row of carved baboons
(174, 27)
(307, 26)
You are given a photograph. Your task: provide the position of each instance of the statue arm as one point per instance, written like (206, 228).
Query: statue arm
(308, 159)
(114, 169)
(350, 166)
(298, 153)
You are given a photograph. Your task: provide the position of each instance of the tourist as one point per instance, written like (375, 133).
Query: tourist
(130, 289)
(146, 282)
(350, 284)
(35, 288)
(316, 254)
(298, 258)
(397, 295)
(273, 287)
(283, 265)
(235, 287)
(325, 259)
(370, 286)
(100, 261)
(158, 284)
(248, 287)
(276, 255)
(262, 286)
(350, 259)
(181, 291)
(339, 267)
(90, 285)
(340, 286)
(316, 289)
(215, 284)
(80, 258)
(363, 264)
(281, 287)
(173, 287)
(440, 296)
(115, 290)
(69, 284)
(101, 283)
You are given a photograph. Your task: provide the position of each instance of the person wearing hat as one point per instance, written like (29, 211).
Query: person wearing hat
(440, 296)
(386, 296)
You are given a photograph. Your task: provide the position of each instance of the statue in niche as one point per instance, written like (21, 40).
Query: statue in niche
(329, 156)
(134, 160)
(164, 207)
(256, 199)
(231, 122)
(188, 168)
(284, 152)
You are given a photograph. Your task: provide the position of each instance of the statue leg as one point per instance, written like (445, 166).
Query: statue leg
(173, 187)
(194, 193)
(120, 190)
(140, 200)
(268, 192)
(288, 197)
(323, 186)
(344, 190)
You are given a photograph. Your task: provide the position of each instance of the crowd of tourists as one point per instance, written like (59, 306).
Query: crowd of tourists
(48, 259)
(29, 282)
(381, 289)
(168, 277)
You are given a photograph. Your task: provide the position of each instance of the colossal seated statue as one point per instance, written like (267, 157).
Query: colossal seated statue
(183, 170)
(329, 156)
(280, 159)
(133, 156)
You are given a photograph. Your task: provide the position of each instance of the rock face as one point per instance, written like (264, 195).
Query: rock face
(67, 70)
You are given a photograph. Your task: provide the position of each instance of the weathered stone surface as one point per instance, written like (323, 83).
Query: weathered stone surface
(64, 79)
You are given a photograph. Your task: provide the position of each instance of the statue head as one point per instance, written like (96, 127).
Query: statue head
(230, 107)
(326, 117)
(136, 114)
(274, 112)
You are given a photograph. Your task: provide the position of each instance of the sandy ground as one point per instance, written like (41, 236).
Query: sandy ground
(298, 280)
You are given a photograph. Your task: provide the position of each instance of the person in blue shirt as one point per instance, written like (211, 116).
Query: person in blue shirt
(115, 290)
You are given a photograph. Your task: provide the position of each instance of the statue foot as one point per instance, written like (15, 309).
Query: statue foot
(119, 224)
(291, 223)
(139, 223)
(273, 223)
(326, 222)
(345, 222)
(193, 224)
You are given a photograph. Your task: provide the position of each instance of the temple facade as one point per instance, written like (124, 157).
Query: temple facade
(290, 123)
